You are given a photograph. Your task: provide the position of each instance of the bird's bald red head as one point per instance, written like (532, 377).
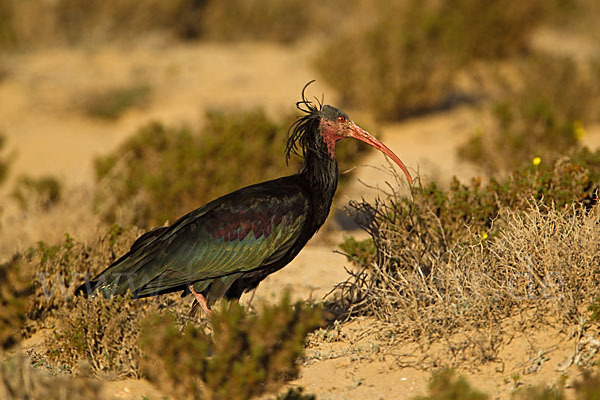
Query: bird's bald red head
(336, 125)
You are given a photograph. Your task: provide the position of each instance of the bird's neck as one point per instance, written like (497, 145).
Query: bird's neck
(320, 172)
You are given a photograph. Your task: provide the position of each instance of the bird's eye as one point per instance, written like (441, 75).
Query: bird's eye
(341, 119)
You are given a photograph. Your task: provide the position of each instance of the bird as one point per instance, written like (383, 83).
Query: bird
(229, 245)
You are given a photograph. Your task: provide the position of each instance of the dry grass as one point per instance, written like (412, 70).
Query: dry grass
(542, 264)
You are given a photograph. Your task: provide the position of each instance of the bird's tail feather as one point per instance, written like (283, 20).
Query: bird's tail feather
(126, 274)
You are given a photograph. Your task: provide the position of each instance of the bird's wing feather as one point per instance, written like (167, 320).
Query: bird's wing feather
(233, 234)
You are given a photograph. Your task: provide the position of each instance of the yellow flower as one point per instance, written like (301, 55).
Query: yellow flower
(484, 236)
(536, 161)
(578, 130)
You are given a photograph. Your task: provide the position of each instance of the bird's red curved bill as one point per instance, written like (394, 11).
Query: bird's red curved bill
(366, 137)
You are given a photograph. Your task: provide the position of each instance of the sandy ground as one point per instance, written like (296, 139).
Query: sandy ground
(46, 130)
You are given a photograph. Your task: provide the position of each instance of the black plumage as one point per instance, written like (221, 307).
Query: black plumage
(229, 245)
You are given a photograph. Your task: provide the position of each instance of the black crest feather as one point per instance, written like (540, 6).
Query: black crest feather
(299, 133)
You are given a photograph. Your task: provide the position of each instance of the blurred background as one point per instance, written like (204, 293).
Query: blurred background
(135, 112)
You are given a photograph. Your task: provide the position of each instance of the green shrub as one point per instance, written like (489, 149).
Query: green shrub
(540, 393)
(111, 104)
(162, 173)
(44, 191)
(543, 115)
(407, 60)
(444, 385)
(360, 251)
(244, 357)
(588, 387)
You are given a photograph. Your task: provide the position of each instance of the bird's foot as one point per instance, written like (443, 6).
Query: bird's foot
(201, 300)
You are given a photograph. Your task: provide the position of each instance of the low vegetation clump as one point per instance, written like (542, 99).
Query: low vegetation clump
(447, 212)
(20, 381)
(4, 160)
(408, 58)
(111, 104)
(273, 20)
(463, 259)
(58, 269)
(245, 355)
(96, 21)
(102, 332)
(44, 191)
(543, 114)
(446, 385)
(93, 21)
(161, 173)
(15, 288)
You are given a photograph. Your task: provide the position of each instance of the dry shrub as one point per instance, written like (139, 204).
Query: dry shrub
(442, 215)
(15, 288)
(246, 355)
(407, 59)
(437, 274)
(20, 381)
(58, 269)
(541, 113)
(103, 332)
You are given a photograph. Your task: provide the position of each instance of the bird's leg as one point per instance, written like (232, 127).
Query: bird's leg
(201, 300)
